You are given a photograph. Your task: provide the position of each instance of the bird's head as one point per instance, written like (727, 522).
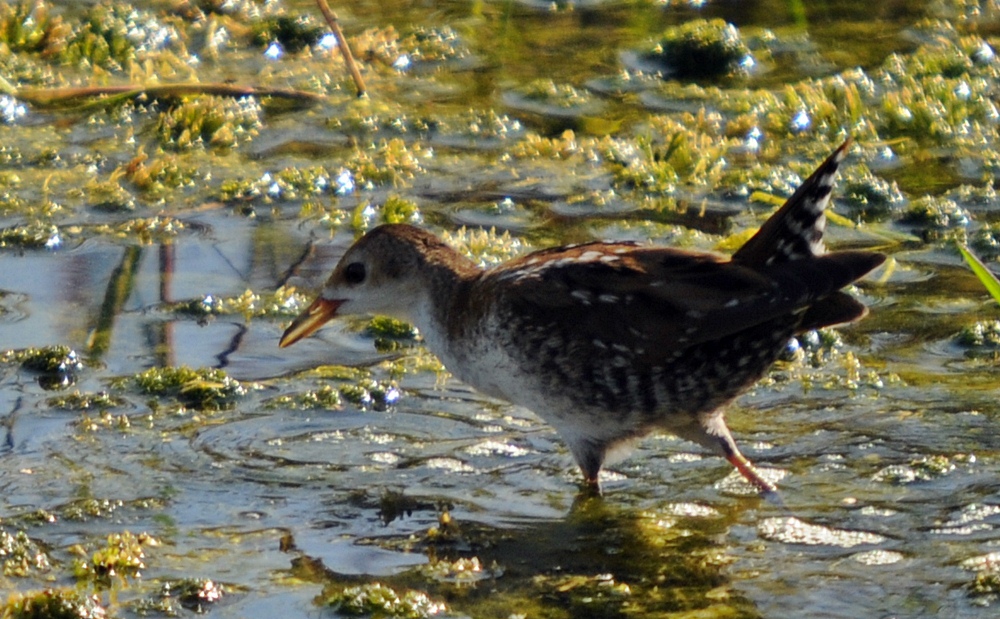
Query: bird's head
(387, 271)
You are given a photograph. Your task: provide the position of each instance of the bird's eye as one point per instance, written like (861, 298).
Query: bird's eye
(354, 273)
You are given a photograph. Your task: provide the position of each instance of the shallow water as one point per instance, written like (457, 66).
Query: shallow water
(884, 445)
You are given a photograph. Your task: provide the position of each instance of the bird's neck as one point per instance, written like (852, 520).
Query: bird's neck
(447, 277)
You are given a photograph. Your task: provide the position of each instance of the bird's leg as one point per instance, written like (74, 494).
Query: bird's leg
(713, 432)
(744, 466)
(589, 457)
(591, 486)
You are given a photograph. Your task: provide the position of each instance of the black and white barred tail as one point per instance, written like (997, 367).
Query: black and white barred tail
(795, 231)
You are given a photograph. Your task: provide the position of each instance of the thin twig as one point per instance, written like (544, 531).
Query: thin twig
(345, 49)
(55, 97)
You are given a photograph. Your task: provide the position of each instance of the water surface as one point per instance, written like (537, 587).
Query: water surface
(882, 435)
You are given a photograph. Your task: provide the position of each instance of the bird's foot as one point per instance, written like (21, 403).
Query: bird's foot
(767, 490)
(750, 472)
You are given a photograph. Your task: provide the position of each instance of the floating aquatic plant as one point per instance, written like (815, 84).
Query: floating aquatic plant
(20, 556)
(221, 122)
(700, 49)
(123, 556)
(382, 602)
(30, 26)
(201, 389)
(56, 603)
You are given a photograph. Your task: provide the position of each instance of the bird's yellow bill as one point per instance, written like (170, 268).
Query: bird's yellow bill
(314, 317)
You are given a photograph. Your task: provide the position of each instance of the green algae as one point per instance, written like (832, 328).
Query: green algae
(486, 247)
(922, 469)
(391, 334)
(61, 603)
(700, 49)
(391, 163)
(559, 96)
(157, 178)
(533, 146)
(461, 572)
(142, 230)
(104, 420)
(35, 235)
(481, 128)
(217, 122)
(294, 33)
(109, 196)
(383, 326)
(59, 359)
(284, 302)
(376, 117)
(432, 44)
(326, 397)
(83, 510)
(985, 241)
(31, 27)
(397, 210)
(394, 210)
(285, 185)
(107, 37)
(360, 387)
(986, 583)
(417, 47)
(821, 360)
(382, 602)
(674, 153)
(20, 556)
(77, 401)
(982, 337)
(195, 594)
(371, 394)
(936, 215)
(121, 558)
(932, 467)
(870, 198)
(201, 389)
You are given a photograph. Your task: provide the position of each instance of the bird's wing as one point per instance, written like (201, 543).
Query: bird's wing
(658, 299)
